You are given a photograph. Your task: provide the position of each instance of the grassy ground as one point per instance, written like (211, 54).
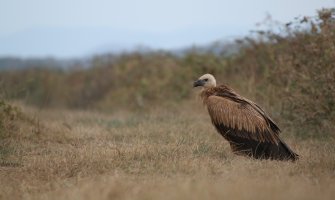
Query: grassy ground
(173, 154)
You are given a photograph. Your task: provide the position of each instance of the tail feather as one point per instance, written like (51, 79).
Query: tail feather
(262, 150)
(291, 154)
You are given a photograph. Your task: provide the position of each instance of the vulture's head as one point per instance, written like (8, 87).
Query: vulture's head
(206, 80)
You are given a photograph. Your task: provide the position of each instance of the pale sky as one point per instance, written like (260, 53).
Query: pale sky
(75, 28)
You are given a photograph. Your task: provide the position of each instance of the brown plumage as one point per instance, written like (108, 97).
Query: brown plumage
(248, 129)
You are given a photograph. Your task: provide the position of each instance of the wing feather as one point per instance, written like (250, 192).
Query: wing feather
(247, 121)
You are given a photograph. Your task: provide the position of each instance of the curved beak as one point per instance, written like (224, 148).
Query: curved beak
(198, 83)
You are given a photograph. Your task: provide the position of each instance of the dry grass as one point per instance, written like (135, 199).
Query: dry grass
(159, 155)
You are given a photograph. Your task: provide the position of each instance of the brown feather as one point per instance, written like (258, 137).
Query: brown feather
(249, 130)
(228, 108)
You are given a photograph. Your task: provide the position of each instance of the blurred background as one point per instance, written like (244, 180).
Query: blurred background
(111, 55)
(79, 28)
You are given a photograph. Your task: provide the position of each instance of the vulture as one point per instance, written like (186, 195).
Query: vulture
(245, 125)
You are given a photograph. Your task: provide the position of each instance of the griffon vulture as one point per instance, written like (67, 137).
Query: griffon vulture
(248, 129)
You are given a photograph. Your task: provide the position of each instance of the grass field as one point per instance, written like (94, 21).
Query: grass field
(161, 154)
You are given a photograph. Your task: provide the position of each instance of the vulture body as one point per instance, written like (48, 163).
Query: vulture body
(248, 129)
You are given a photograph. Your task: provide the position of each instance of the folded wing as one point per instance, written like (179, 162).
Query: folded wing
(241, 118)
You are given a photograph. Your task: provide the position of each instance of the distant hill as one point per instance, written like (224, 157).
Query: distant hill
(7, 63)
(219, 48)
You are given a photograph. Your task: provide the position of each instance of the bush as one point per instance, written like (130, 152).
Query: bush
(296, 70)
(291, 73)
(9, 115)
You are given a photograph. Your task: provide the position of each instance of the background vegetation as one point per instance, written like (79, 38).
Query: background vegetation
(290, 71)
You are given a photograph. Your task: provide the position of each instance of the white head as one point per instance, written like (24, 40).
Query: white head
(206, 81)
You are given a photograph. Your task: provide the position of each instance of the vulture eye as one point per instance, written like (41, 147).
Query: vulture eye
(206, 79)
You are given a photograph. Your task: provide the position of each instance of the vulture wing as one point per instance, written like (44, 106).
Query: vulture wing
(247, 128)
(241, 118)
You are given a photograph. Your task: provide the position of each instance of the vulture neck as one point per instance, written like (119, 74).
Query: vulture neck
(207, 92)
(217, 90)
